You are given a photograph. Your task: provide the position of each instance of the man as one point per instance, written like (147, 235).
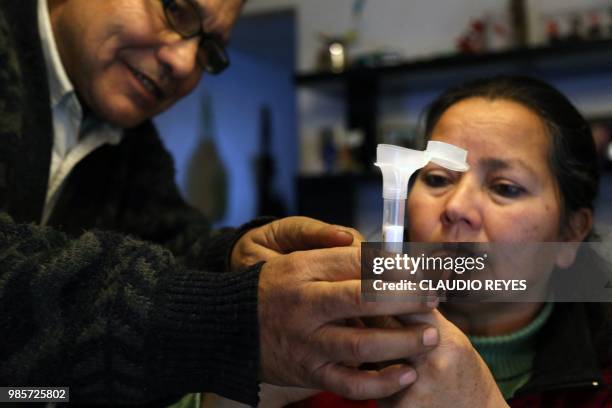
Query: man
(109, 282)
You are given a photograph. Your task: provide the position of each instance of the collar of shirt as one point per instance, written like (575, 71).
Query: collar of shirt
(74, 136)
(59, 84)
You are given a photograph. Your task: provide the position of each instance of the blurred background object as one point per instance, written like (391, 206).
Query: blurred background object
(574, 23)
(333, 55)
(268, 201)
(519, 23)
(602, 133)
(206, 177)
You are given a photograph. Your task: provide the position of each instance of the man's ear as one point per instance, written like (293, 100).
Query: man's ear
(579, 224)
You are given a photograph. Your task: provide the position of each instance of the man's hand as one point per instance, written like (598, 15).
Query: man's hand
(304, 298)
(288, 235)
(452, 374)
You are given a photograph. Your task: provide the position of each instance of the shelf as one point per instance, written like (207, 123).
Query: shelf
(587, 55)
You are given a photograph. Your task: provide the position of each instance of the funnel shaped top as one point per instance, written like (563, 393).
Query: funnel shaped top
(398, 156)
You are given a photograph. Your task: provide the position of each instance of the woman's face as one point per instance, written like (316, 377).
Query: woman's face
(509, 194)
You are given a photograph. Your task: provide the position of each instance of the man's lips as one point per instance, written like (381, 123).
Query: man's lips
(148, 83)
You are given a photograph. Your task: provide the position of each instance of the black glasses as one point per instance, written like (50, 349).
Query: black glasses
(185, 18)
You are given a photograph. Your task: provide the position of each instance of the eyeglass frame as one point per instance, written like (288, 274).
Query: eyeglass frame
(204, 36)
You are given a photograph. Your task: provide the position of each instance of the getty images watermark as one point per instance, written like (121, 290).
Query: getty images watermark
(488, 272)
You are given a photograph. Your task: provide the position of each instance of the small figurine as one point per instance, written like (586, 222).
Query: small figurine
(594, 31)
(575, 32)
(473, 40)
(610, 22)
(552, 32)
(498, 34)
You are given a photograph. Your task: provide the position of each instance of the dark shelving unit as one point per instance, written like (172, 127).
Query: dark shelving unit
(525, 58)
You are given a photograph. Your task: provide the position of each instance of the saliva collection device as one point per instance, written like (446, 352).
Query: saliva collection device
(397, 165)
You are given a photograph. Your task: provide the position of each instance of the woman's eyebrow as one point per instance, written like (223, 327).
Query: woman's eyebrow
(492, 163)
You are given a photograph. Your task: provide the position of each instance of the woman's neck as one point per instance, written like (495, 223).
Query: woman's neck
(490, 319)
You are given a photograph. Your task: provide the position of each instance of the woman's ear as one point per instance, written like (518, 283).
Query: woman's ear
(579, 224)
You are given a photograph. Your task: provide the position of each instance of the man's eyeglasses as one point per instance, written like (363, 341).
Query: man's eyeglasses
(185, 18)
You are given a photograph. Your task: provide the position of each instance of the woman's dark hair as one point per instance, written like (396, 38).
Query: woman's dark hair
(572, 158)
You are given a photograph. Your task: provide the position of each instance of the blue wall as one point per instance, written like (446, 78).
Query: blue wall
(261, 71)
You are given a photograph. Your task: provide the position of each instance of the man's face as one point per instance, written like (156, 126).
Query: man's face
(124, 60)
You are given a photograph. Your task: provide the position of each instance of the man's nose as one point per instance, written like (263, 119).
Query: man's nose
(180, 56)
(463, 209)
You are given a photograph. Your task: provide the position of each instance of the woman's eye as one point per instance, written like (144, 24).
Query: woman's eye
(435, 180)
(508, 190)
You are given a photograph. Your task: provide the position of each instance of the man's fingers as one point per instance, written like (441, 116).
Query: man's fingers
(369, 345)
(303, 233)
(333, 264)
(343, 300)
(358, 238)
(382, 322)
(245, 255)
(360, 384)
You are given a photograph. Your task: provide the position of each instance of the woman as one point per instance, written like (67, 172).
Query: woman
(533, 177)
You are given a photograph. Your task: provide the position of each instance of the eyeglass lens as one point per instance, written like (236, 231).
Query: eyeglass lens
(184, 17)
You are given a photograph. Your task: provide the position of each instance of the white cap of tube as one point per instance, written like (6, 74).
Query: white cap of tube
(447, 155)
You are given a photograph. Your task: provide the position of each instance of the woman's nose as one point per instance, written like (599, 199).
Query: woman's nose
(180, 56)
(463, 211)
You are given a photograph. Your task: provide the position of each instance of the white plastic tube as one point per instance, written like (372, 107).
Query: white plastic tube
(393, 220)
(397, 165)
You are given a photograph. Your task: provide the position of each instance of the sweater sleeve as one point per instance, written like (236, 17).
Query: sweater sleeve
(119, 321)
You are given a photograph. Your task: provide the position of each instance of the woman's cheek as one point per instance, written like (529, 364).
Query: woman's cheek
(518, 224)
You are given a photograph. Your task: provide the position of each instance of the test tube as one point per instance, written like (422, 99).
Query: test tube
(393, 220)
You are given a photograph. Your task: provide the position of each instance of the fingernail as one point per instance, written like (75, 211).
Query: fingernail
(408, 378)
(346, 234)
(430, 337)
